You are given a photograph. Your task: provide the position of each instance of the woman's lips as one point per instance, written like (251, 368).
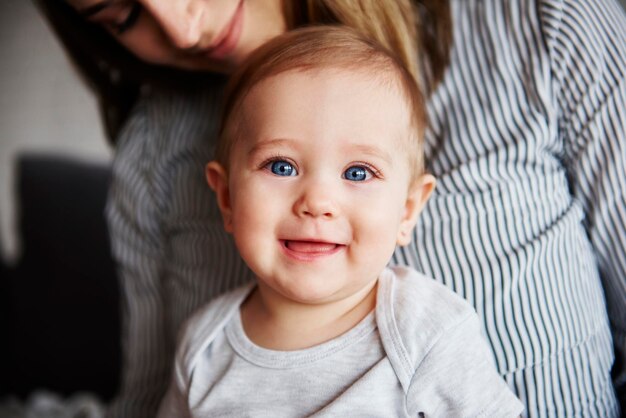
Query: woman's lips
(229, 38)
(310, 250)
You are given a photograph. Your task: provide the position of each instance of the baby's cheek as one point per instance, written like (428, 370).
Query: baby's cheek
(250, 246)
(376, 238)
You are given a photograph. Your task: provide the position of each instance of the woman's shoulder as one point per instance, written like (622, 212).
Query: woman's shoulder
(169, 127)
(167, 118)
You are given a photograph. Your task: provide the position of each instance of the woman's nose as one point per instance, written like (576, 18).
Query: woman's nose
(179, 19)
(317, 201)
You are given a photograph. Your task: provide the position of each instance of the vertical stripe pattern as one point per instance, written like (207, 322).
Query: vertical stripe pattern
(167, 236)
(527, 223)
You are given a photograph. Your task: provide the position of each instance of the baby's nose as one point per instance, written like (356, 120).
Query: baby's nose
(317, 200)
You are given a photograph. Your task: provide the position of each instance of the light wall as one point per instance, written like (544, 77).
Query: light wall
(44, 106)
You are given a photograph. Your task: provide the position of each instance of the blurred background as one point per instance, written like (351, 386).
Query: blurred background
(59, 310)
(43, 106)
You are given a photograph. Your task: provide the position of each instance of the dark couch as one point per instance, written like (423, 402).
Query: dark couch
(60, 305)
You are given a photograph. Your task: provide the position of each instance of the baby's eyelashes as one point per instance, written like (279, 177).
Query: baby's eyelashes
(282, 168)
(360, 172)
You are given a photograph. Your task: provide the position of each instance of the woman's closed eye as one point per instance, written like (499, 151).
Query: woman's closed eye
(129, 21)
(118, 17)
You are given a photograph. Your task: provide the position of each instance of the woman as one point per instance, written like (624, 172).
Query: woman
(527, 141)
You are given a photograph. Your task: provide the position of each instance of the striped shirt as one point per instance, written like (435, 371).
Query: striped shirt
(527, 223)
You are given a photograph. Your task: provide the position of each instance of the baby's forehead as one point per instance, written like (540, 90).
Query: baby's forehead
(374, 89)
(365, 90)
(374, 76)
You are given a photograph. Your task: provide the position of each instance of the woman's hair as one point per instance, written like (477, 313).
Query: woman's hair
(114, 73)
(418, 31)
(323, 48)
(410, 28)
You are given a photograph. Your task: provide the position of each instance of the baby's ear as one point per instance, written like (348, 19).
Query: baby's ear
(416, 199)
(217, 178)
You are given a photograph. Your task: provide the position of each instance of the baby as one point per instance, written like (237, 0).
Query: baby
(319, 175)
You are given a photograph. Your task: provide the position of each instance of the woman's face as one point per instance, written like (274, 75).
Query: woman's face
(214, 35)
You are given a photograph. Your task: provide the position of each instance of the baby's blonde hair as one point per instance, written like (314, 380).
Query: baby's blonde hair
(318, 48)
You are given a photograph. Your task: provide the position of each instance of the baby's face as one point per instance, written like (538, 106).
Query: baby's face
(319, 182)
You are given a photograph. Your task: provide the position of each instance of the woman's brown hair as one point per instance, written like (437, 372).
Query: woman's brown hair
(419, 32)
(109, 69)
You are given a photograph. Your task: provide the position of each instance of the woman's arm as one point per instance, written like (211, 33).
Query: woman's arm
(166, 234)
(587, 42)
(135, 226)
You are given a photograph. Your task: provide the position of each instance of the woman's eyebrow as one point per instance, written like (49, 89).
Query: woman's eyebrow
(95, 9)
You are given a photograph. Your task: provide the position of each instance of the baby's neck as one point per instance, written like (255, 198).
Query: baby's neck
(277, 323)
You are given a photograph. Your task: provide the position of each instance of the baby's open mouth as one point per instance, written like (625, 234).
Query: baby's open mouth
(311, 247)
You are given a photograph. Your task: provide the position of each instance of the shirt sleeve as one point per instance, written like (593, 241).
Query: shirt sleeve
(167, 237)
(587, 44)
(457, 378)
(137, 246)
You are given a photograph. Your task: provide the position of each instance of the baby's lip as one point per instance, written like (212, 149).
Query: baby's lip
(309, 246)
(308, 249)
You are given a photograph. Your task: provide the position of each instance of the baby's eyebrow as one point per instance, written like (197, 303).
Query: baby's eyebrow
(370, 150)
(271, 143)
(348, 149)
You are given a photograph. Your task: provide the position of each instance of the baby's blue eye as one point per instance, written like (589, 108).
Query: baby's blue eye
(356, 173)
(282, 168)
